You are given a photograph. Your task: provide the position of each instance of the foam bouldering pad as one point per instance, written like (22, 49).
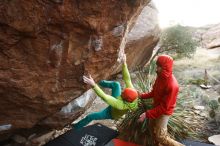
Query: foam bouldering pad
(93, 135)
(118, 142)
(195, 143)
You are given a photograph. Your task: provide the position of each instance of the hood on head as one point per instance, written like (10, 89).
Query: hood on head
(166, 63)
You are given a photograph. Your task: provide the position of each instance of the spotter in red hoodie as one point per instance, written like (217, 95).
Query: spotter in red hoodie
(165, 90)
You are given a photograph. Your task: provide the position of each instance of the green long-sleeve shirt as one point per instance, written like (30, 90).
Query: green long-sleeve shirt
(119, 106)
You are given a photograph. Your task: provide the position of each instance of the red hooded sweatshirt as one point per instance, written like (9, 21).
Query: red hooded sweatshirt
(165, 90)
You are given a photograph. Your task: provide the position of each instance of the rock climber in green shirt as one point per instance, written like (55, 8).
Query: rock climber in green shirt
(119, 102)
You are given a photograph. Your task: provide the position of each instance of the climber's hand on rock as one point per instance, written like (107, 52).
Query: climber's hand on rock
(123, 59)
(89, 80)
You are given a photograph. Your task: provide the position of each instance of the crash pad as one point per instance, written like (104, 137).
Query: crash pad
(93, 135)
(118, 142)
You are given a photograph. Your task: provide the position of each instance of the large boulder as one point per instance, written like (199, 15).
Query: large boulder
(211, 36)
(46, 46)
(143, 37)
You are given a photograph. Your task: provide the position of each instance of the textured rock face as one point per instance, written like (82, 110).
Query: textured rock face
(143, 37)
(211, 38)
(47, 45)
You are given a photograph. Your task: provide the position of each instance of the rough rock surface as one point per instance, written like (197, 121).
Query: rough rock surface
(47, 45)
(143, 37)
(209, 36)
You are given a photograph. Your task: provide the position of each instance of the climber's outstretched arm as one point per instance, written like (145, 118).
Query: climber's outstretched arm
(125, 73)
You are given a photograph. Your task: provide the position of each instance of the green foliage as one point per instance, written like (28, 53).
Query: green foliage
(213, 104)
(212, 114)
(133, 131)
(178, 39)
(146, 77)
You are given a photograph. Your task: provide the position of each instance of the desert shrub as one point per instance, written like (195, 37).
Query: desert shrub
(214, 106)
(178, 40)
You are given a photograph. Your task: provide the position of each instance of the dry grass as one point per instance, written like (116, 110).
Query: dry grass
(194, 68)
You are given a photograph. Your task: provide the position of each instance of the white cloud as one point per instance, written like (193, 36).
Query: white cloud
(188, 12)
